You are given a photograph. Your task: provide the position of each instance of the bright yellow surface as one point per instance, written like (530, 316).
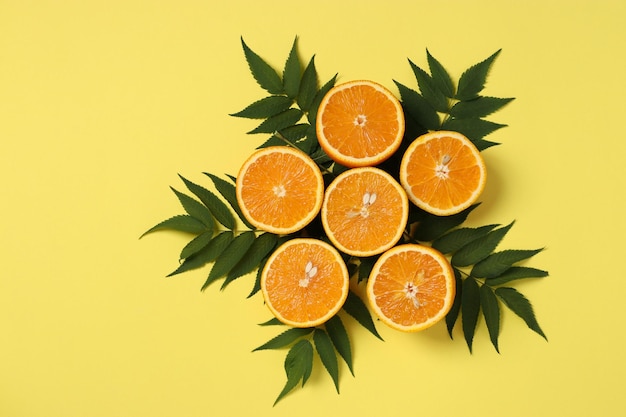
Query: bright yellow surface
(103, 103)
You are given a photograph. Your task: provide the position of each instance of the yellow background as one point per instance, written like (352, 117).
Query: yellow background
(103, 103)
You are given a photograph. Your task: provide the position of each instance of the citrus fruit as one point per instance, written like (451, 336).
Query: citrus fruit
(443, 172)
(365, 211)
(359, 123)
(411, 287)
(279, 189)
(305, 282)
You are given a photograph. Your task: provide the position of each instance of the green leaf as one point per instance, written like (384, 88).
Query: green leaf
(470, 308)
(259, 249)
(257, 282)
(475, 129)
(440, 76)
(341, 341)
(325, 349)
(229, 257)
(279, 121)
(516, 272)
(298, 366)
(208, 254)
(228, 191)
(312, 114)
(499, 262)
(292, 71)
(196, 244)
(265, 107)
(285, 338)
(195, 209)
(433, 95)
(365, 267)
(479, 107)
(456, 239)
(355, 307)
(482, 144)
(308, 86)
(473, 80)
(491, 312)
(181, 223)
(431, 227)
(272, 322)
(418, 108)
(453, 314)
(520, 305)
(263, 73)
(480, 248)
(218, 209)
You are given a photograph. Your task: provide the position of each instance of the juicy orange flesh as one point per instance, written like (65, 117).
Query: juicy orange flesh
(279, 189)
(294, 297)
(360, 121)
(362, 228)
(459, 174)
(410, 271)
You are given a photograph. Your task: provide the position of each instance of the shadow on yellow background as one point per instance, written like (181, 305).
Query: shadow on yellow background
(102, 104)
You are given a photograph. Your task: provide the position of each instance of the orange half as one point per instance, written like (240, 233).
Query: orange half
(360, 123)
(305, 282)
(443, 172)
(411, 287)
(279, 189)
(365, 211)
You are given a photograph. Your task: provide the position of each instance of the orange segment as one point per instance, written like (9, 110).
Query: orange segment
(365, 211)
(279, 189)
(443, 172)
(305, 282)
(411, 287)
(360, 123)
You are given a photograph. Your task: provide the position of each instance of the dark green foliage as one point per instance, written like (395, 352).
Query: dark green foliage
(286, 114)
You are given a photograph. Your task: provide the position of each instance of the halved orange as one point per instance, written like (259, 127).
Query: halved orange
(365, 211)
(411, 287)
(305, 282)
(443, 172)
(359, 123)
(279, 189)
